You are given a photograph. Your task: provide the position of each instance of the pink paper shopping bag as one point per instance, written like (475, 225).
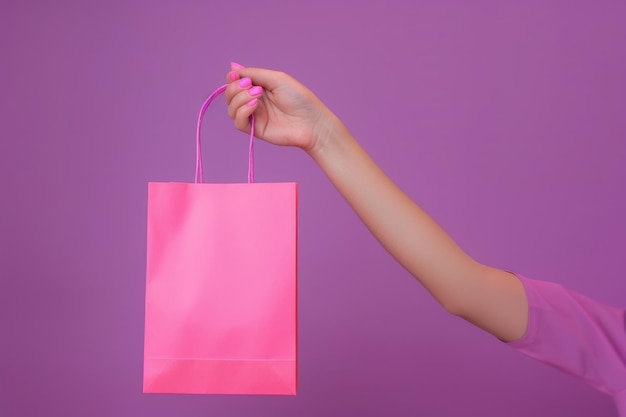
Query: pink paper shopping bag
(221, 285)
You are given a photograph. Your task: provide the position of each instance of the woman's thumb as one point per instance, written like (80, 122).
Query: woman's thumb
(268, 79)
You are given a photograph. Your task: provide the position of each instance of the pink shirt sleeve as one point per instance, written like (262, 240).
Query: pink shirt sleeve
(577, 335)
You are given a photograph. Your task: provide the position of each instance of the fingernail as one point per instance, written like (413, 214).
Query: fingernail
(255, 91)
(234, 76)
(245, 82)
(252, 102)
(235, 65)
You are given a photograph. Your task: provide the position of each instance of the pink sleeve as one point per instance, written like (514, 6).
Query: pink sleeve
(575, 334)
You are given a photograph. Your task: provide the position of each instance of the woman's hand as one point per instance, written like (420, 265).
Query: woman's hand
(285, 111)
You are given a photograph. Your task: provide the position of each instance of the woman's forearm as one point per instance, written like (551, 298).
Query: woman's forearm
(461, 285)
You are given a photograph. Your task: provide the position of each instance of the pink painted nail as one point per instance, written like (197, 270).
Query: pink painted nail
(234, 76)
(245, 82)
(252, 102)
(255, 91)
(235, 65)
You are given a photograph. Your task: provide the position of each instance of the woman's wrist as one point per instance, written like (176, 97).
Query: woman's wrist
(327, 134)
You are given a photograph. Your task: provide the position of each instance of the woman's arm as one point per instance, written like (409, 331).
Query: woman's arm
(287, 113)
(491, 299)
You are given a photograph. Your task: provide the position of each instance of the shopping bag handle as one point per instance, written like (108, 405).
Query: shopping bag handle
(205, 106)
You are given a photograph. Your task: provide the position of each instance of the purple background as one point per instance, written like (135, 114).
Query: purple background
(505, 120)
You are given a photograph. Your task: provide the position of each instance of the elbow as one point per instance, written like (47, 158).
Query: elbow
(453, 307)
(461, 299)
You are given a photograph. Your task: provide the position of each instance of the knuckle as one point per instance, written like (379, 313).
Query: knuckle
(240, 122)
(229, 95)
